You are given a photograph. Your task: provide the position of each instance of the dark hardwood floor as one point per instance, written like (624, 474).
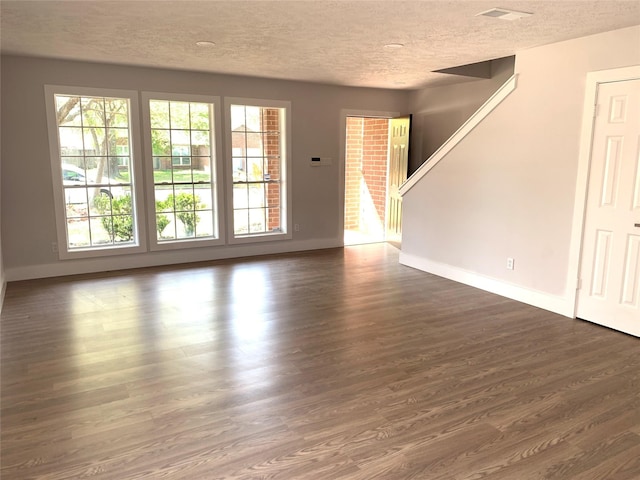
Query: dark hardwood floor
(337, 364)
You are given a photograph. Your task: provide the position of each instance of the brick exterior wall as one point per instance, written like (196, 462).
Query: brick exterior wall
(374, 161)
(366, 162)
(271, 141)
(353, 172)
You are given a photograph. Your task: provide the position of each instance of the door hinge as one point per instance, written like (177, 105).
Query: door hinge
(579, 284)
(596, 110)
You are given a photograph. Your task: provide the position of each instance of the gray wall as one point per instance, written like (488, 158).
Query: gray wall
(508, 189)
(439, 111)
(28, 223)
(3, 282)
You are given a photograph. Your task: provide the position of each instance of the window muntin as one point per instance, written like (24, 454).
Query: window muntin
(258, 163)
(180, 132)
(92, 157)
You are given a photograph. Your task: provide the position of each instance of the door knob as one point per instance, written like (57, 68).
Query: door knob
(637, 225)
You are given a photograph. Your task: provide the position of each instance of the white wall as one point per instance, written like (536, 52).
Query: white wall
(28, 227)
(507, 190)
(439, 111)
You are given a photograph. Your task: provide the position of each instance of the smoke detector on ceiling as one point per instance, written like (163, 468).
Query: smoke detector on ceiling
(504, 14)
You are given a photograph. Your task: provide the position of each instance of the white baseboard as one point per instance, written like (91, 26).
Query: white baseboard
(546, 301)
(168, 257)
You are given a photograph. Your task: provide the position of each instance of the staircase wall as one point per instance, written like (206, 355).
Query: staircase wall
(508, 188)
(439, 111)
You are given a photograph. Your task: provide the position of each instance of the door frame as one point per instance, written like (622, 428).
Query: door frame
(344, 113)
(593, 80)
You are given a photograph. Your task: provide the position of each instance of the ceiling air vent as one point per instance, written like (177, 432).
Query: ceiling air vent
(504, 14)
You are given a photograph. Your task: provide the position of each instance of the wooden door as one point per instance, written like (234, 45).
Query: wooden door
(398, 166)
(610, 264)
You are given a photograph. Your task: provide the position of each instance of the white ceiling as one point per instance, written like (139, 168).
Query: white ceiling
(337, 42)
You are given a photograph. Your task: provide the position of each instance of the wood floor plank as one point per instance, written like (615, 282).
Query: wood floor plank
(334, 364)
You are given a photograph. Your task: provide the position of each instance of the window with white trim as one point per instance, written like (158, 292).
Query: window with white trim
(93, 162)
(258, 149)
(182, 167)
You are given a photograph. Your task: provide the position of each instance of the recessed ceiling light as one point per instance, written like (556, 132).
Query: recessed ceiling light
(504, 14)
(394, 45)
(205, 44)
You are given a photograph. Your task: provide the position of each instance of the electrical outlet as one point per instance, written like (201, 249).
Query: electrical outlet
(510, 263)
(296, 227)
(54, 247)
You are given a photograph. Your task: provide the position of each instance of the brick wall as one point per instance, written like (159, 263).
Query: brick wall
(366, 167)
(375, 152)
(353, 172)
(271, 141)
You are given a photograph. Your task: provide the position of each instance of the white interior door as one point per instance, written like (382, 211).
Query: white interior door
(610, 264)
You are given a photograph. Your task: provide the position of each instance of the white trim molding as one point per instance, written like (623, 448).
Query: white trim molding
(582, 178)
(546, 301)
(473, 121)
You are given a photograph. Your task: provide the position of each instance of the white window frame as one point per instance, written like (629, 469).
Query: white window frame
(216, 173)
(286, 169)
(139, 228)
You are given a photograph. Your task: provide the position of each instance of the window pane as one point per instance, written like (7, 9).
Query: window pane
(165, 226)
(239, 144)
(240, 222)
(95, 141)
(182, 175)
(200, 116)
(159, 114)
(119, 170)
(256, 195)
(179, 115)
(240, 196)
(239, 169)
(116, 112)
(123, 228)
(237, 118)
(118, 141)
(201, 169)
(204, 225)
(252, 121)
(179, 140)
(200, 144)
(203, 198)
(76, 196)
(160, 142)
(78, 232)
(257, 220)
(101, 230)
(162, 169)
(93, 112)
(254, 144)
(71, 141)
(254, 169)
(100, 204)
(68, 111)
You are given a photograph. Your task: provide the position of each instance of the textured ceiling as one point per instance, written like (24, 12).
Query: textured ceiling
(337, 42)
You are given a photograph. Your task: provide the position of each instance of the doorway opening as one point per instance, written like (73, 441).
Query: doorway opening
(366, 165)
